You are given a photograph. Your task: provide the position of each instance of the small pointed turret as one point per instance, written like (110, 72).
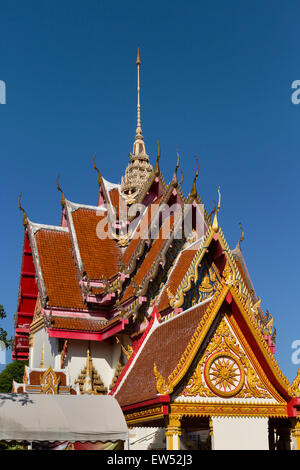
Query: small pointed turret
(215, 225)
(25, 219)
(194, 189)
(156, 169)
(62, 201)
(139, 169)
(174, 180)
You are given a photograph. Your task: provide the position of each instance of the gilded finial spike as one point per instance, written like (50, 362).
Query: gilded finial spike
(138, 59)
(181, 180)
(96, 169)
(215, 225)
(156, 169)
(25, 219)
(194, 189)
(60, 190)
(242, 236)
(174, 180)
(214, 210)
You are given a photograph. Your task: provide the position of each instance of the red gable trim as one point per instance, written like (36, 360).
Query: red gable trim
(154, 401)
(84, 335)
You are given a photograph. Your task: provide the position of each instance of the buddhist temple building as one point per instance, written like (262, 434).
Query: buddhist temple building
(139, 296)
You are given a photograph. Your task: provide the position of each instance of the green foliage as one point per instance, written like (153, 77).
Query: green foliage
(3, 334)
(13, 371)
(12, 445)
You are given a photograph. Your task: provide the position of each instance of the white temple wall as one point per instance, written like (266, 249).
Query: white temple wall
(146, 438)
(105, 357)
(240, 433)
(40, 339)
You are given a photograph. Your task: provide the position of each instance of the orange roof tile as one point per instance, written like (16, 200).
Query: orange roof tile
(182, 265)
(58, 269)
(150, 257)
(167, 341)
(99, 256)
(143, 224)
(83, 324)
(117, 201)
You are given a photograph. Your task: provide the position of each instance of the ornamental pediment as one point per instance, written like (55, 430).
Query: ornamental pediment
(226, 371)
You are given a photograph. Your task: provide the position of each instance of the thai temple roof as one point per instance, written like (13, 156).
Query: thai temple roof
(75, 278)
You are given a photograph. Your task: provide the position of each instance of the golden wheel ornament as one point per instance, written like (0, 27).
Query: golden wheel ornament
(224, 374)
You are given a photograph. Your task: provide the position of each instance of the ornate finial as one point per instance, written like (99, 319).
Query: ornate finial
(25, 219)
(256, 306)
(139, 170)
(163, 387)
(156, 169)
(194, 190)
(87, 385)
(242, 236)
(174, 180)
(49, 382)
(127, 351)
(215, 225)
(138, 59)
(42, 363)
(95, 168)
(59, 189)
(294, 389)
(138, 126)
(214, 210)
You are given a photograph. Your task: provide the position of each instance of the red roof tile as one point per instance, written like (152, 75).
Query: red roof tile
(99, 256)
(169, 340)
(151, 256)
(83, 324)
(58, 269)
(182, 265)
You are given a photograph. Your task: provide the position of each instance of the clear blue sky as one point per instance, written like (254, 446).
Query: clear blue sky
(215, 81)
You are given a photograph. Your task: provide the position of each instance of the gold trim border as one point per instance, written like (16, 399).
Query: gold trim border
(229, 409)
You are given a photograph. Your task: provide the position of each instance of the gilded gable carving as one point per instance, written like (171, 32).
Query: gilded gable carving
(224, 370)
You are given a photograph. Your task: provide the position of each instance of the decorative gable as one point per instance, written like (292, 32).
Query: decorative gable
(225, 371)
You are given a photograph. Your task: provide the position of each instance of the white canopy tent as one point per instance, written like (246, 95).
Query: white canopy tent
(42, 417)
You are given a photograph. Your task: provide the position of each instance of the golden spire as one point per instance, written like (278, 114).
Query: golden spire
(59, 189)
(138, 59)
(139, 170)
(194, 190)
(215, 225)
(25, 219)
(156, 169)
(138, 126)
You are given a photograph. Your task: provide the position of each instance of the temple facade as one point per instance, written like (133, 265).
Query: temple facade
(140, 297)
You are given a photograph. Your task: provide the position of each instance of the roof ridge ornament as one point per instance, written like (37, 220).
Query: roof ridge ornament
(215, 225)
(174, 180)
(98, 171)
(194, 189)
(242, 236)
(214, 210)
(25, 218)
(156, 169)
(63, 199)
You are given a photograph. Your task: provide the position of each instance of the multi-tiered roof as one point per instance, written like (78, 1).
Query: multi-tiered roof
(104, 268)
